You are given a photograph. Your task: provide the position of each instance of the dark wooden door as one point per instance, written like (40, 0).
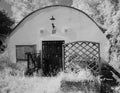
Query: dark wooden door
(51, 57)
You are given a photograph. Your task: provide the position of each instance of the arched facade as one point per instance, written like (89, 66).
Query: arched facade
(54, 23)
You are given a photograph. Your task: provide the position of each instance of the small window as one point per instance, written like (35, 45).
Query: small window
(21, 51)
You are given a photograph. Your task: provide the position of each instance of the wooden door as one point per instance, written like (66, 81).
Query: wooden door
(51, 57)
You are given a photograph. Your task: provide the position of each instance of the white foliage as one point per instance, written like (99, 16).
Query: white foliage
(22, 8)
(107, 14)
(91, 7)
(84, 74)
(17, 84)
(82, 5)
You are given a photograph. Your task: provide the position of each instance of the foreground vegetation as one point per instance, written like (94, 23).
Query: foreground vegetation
(13, 80)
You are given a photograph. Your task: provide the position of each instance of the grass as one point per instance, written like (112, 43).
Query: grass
(58, 84)
(12, 80)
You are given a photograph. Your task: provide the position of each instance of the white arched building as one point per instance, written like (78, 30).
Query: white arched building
(60, 24)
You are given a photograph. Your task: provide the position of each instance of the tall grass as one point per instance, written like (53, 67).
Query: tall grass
(12, 80)
(20, 84)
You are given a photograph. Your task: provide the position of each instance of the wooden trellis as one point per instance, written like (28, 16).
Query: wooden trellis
(82, 54)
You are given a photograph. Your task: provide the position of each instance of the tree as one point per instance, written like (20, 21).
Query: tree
(5, 29)
(21, 8)
(107, 14)
(5, 23)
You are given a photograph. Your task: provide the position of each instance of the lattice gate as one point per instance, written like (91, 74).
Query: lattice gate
(82, 54)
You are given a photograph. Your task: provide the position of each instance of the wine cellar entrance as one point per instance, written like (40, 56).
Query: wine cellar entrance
(52, 57)
(73, 56)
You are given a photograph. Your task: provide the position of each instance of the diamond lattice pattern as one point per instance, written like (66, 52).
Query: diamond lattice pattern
(79, 55)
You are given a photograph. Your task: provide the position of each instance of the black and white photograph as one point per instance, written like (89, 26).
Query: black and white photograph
(59, 46)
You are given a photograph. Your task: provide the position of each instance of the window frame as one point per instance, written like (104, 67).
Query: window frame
(17, 59)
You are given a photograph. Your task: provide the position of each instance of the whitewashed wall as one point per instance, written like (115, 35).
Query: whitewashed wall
(79, 28)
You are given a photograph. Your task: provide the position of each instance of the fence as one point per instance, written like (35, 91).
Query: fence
(82, 54)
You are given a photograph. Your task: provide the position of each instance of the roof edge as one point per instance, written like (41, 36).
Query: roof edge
(100, 27)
